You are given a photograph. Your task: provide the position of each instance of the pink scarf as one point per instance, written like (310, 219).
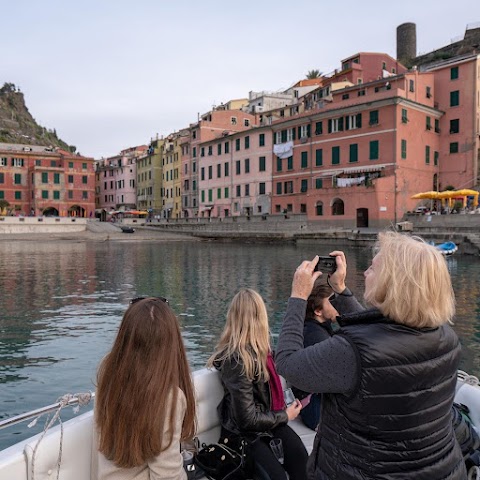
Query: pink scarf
(277, 401)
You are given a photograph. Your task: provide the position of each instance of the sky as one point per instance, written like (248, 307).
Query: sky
(112, 74)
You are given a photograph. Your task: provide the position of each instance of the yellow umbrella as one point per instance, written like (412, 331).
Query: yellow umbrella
(423, 195)
(465, 192)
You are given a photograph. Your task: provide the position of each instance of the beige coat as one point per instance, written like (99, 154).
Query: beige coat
(166, 466)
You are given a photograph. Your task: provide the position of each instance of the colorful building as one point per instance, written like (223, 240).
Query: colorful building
(149, 178)
(37, 180)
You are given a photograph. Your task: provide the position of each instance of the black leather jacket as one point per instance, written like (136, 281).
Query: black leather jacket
(245, 407)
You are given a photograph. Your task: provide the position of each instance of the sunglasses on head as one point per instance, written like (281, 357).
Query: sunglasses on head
(137, 299)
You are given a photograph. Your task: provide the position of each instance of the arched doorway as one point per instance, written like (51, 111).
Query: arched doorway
(338, 207)
(76, 211)
(50, 212)
(362, 217)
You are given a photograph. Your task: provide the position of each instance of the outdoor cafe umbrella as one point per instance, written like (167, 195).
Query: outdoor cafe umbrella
(465, 192)
(424, 195)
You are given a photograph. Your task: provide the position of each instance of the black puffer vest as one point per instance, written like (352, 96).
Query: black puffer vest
(397, 424)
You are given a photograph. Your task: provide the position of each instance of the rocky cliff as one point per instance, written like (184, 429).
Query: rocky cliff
(17, 124)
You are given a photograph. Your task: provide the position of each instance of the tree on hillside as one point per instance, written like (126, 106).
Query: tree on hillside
(311, 74)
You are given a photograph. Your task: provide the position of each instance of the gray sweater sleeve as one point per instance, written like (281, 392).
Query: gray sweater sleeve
(327, 367)
(346, 303)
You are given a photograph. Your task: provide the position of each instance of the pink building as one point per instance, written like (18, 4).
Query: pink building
(236, 174)
(356, 160)
(116, 180)
(215, 124)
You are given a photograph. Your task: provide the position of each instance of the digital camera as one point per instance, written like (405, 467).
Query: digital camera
(326, 264)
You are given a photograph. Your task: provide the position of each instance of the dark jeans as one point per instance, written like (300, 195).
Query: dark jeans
(311, 413)
(294, 453)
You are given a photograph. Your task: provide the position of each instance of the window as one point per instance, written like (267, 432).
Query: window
(319, 208)
(210, 195)
(17, 179)
(428, 92)
(247, 190)
(318, 128)
(345, 96)
(437, 125)
(227, 193)
(318, 157)
(202, 151)
(70, 179)
(261, 188)
(455, 125)
(261, 140)
(247, 165)
(233, 120)
(219, 193)
(373, 117)
(290, 163)
(210, 150)
(194, 152)
(335, 125)
(279, 188)
(56, 178)
(202, 173)
(404, 149)
(247, 142)
(237, 144)
(353, 121)
(226, 169)
(219, 170)
(44, 177)
(2, 194)
(219, 149)
(453, 73)
(70, 164)
(411, 84)
(56, 195)
(227, 147)
(304, 186)
(435, 158)
(361, 93)
(261, 164)
(288, 187)
(454, 147)
(84, 166)
(404, 115)
(45, 194)
(455, 98)
(70, 194)
(427, 154)
(335, 155)
(238, 191)
(2, 177)
(303, 131)
(318, 183)
(3, 162)
(237, 167)
(210, 172)
(374, 150)
(304, 160)
(84, 179)
(279, 164)
(203, 196)
(353, 153)
(17, 162)
(194, 185)
(18, 195)
(428, 124)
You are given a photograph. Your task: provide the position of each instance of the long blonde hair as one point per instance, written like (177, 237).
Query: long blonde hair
(412, 285)
(246, 335)
(145, 371)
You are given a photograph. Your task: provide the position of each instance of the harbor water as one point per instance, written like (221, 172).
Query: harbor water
(61, 304)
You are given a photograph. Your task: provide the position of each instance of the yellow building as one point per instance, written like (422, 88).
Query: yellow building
(149, 178)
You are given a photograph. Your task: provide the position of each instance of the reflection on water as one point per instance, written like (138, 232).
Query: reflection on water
(61, 305)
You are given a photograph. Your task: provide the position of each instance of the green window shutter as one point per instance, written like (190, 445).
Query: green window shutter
(261, 140)
(290, 163)
(404, 149)
(299, 132)
(203, 196)
(329, 125)
(56, 195)
(435, 158)
(455, 98)
(293, 133)
(304, 159)
(284, 136)
(318, 183)
(340, 124)
(335, 155)
(318, 157)
(353, 152)
(427, 154)
(247, 142)
(309, 131)
(279, 188)
(227, 193)
(219, 193)
(374, 150)
(2, 194)
(347, 123)
(359, 120)
(45, 194)
(318, 128)
(210, 195)
(279, 164)
(453, 73)
(18, 178)
(262, 164)
(18, 195)
(304, 185)
(219, 149)
(44, 177)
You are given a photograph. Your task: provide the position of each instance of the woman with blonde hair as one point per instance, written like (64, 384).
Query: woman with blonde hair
(388, 376)
(145, 403)
(253, 407)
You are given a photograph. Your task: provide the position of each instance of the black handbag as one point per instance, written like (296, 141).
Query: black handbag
(220, 462)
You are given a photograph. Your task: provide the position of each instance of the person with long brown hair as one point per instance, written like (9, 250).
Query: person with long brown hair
(145, 404)
(253, 406)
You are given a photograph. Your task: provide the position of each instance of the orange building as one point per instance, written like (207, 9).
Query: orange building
(37, 180)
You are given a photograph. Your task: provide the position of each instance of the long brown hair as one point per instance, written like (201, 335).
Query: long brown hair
(246, 334)
(145, 372)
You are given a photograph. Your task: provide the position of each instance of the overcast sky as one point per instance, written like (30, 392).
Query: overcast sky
(111, 74)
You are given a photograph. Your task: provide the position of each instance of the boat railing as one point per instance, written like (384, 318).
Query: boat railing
(75, 401)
